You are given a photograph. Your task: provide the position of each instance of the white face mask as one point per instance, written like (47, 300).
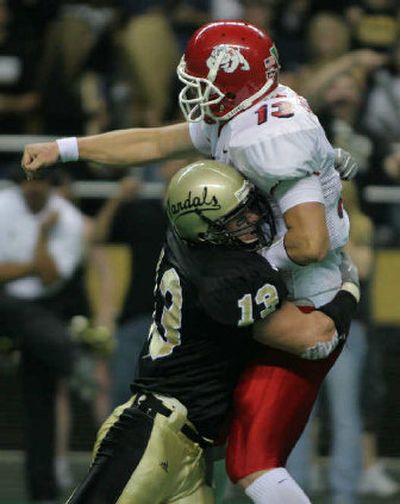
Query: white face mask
(194, 98)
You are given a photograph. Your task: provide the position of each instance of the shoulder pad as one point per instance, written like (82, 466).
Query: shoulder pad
(275, 158)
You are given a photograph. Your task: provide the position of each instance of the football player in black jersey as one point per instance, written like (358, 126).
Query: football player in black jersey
(216, 300)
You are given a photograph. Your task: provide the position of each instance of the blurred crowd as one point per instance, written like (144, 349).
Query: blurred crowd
(83, 67)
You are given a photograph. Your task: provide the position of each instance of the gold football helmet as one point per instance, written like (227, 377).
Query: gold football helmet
(205, 197)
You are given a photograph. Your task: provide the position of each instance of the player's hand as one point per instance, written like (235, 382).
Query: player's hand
(345, 164)
(350, 278)
(391, 166)
(129, 188)
(98, 339)
(368, 59)
(37, 156)
(48, 222)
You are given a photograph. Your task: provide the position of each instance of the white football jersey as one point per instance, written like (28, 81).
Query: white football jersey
(281, 147)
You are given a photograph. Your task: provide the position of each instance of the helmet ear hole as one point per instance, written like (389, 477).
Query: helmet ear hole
(230, 95)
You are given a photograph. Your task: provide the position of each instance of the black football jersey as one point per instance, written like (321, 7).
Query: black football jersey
(206, 300)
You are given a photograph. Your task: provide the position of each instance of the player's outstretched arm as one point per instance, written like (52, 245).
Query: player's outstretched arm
(121, 147)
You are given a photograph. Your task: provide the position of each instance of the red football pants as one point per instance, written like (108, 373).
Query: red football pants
(272, 403)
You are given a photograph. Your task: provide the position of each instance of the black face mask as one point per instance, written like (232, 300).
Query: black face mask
(264, 229)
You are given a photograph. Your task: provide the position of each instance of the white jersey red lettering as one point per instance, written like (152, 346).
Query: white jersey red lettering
(281, 147)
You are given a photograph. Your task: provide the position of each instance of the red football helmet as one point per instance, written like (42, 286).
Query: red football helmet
(227, 66)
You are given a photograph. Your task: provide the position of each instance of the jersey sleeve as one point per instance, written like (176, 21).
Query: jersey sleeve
(269, 158)
(290, 193)
(199, 138)
(241, 289)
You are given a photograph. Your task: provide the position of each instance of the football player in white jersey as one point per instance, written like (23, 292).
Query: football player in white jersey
(238, 113)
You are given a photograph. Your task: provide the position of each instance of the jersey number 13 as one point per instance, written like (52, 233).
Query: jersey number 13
(171, 319)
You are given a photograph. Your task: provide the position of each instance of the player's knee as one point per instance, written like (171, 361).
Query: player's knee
(248, 480)
(243, 474)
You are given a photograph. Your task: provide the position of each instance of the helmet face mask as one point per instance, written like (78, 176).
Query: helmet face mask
(227, 66)
(232, 229)
(212, 203)
(198, 94)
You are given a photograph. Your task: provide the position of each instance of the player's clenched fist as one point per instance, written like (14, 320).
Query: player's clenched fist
(40, 155)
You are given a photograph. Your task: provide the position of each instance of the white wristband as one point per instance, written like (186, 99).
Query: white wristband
(68, 148)
(277, 256)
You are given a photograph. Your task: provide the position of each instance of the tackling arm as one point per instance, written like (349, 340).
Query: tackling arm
(293, 331)
(314, 335)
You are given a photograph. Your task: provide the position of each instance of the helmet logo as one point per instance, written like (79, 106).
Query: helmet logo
(193, 204)
(228, 58)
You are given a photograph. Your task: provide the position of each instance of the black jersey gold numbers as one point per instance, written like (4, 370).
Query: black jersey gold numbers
(165, 331)
(205, 302)
(150, 451)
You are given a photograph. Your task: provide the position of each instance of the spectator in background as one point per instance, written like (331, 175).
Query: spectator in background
(341, 117)
(291, 22)
(91, 322)
(32, 17)
(226, 9)
(39, 256)
(327, 39)
(260, 13)
(187, 16)
(343, 384)
(341, 112)
(382, 120)
(374, 479)
(74, 68)
(140, 224)
(382, 115)
(150, 55)
(18, 99)
(375, 24)
(328, 45)
(336, 6)
(391, 169)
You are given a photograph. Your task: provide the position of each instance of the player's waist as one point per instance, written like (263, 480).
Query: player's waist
(152, 405)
